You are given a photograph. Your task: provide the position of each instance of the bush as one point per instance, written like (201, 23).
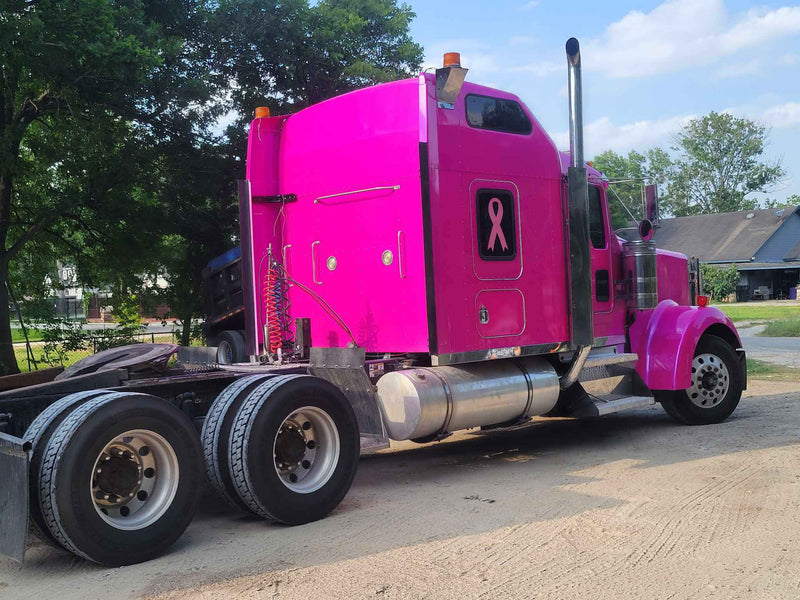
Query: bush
(719, 283)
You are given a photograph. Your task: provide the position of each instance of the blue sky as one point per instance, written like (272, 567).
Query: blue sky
(648, 65)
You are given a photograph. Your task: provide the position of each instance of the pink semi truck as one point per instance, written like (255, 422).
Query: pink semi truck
(417, 258)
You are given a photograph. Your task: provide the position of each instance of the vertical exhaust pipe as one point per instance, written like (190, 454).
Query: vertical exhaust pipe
(575, 103)
(580, 271)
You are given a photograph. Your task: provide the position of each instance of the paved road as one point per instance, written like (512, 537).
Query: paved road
(778, 350)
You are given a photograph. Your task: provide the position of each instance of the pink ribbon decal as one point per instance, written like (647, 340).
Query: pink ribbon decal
(496, 215)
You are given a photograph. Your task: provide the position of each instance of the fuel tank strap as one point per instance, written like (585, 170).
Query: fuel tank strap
(529, 383)
(449, 395)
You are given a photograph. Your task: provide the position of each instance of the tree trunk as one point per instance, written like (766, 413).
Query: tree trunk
(186, 330)
(8, 360)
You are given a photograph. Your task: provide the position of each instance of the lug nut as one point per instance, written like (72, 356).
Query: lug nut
(293, 478)
(124, 511)
(306, 464)
(149, 472)
(99, 495)
(311, 444)
(142, 495)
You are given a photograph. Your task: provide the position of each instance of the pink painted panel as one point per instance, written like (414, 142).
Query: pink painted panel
(503, 313)
(355, 234)
(262, 173)
(673, 276)
(464, 159)
(665, 340)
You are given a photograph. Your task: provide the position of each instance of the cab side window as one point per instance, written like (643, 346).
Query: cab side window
(497, 114)
(597, 230)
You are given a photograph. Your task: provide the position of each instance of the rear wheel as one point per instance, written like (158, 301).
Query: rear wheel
(716, 386)
(294, 449)
(38, 435)
(216, 437)
(120, 478)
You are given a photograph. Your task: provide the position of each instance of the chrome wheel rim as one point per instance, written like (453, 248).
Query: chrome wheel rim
(224, 353)
(710, 381)
(134, 479)
(306, 450)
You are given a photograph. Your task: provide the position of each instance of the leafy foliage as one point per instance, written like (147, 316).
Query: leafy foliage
(651, 167)
(718, 282)
(720, 164)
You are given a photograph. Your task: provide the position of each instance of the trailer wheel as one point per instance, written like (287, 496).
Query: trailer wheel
(716, 386)
(216, 434)
(230, 348)
(120, 478)
(294, 449)
(38, 435)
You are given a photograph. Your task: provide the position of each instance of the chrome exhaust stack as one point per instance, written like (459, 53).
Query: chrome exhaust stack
(580, 271)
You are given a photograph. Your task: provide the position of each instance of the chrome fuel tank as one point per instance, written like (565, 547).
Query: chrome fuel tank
(417, 403)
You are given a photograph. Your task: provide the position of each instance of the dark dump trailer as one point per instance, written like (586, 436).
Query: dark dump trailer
(224, 306)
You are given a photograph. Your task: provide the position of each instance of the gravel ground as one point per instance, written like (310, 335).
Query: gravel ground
(626, 507)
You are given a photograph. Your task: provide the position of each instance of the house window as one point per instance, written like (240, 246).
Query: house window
(497, 114)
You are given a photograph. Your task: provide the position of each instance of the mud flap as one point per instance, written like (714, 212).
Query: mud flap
(13, 497)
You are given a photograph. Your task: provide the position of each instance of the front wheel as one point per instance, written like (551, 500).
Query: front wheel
(716, 386)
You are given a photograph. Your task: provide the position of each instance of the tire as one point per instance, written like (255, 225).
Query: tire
(231, 348)
(38, 435)
(716, 386)
(128, 435)
(326, 470)
(215, 437)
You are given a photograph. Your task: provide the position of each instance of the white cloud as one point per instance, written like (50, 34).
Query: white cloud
(733, 70)
(540, 69)
(531, 4)
(783, 115)
(521, 40)
(788, 59)
(602, 134)
(680, 34)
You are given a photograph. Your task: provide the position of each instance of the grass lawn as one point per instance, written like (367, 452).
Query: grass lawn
(758, 369)
(754, 311)
(782, 328)
(34, 335)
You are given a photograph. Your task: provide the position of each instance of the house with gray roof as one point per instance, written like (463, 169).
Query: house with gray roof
(763, 244)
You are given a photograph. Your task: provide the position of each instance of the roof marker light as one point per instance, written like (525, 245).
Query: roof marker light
(702, 301)
(262, 111)
(452, 59)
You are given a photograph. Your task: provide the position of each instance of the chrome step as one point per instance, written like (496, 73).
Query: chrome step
(608, 358)
(595, 406)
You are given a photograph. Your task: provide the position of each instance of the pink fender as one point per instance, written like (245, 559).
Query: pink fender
(665, 340)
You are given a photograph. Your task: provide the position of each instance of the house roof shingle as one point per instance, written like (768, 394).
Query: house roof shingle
(734, 236)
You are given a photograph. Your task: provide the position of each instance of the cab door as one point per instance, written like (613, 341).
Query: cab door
(602, 271)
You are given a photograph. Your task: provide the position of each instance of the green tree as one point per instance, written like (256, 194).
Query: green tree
(72, 66)
(719, 282)
(652, 167)
(719, 165)
(288, 55)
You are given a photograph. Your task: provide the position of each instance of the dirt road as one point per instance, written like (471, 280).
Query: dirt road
(626, 507)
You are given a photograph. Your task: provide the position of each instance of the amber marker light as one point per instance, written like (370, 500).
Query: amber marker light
(262, 111)
(452, 59)
(702, 301)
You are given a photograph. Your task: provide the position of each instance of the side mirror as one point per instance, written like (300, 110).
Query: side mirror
(646, 230)
(651, 204)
